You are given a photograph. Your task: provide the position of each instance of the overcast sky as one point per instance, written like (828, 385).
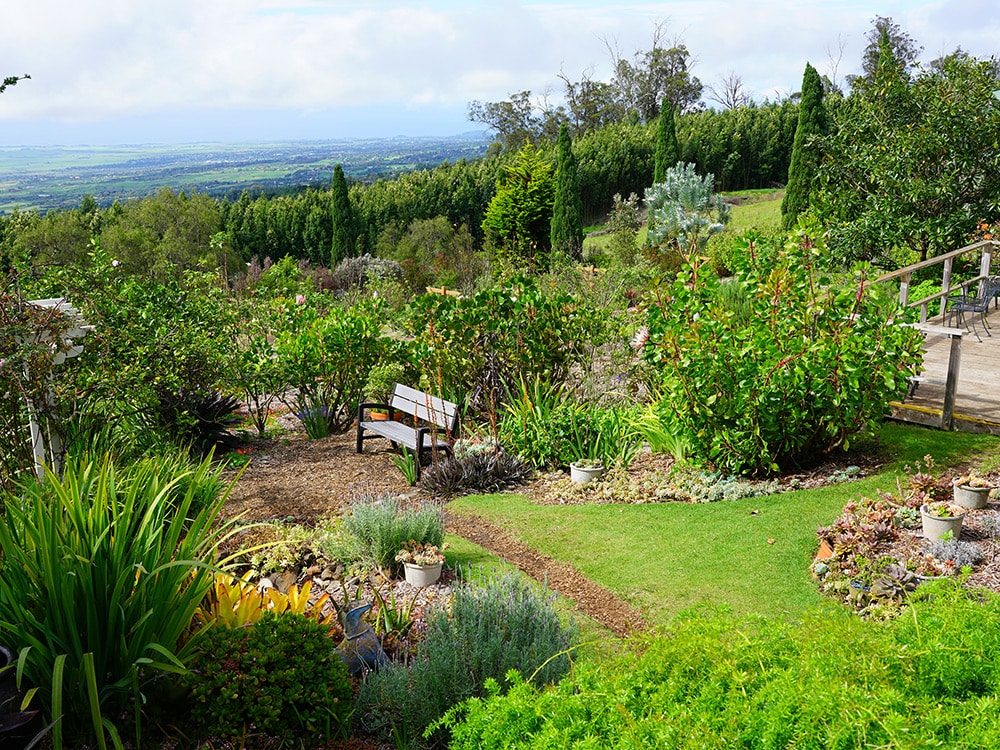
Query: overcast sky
(161, 71)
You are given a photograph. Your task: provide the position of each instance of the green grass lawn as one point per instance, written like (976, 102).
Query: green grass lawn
(751, 556)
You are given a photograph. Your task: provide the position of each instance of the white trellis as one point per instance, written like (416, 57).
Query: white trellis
(46, 444)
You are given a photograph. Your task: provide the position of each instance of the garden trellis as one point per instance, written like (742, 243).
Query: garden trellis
(63, 343)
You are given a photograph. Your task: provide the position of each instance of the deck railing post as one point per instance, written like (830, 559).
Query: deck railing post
(951, 383)
(945, 284)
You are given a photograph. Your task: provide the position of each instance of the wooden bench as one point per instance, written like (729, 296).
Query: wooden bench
(417, 420)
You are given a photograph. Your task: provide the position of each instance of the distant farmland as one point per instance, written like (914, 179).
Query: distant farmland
(45, 178)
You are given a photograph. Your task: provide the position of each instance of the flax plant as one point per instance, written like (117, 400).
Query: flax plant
(102, 573)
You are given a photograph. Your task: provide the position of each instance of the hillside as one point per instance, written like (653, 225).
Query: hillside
(45, 178)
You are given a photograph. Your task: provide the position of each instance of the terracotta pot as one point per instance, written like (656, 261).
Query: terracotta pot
(380, 416)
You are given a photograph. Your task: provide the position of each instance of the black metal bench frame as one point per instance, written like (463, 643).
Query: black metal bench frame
(423, 423)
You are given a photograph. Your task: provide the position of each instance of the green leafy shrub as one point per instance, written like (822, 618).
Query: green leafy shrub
(712, 680)
(482, 346)
(547, 427)
(281, 676)
(812, 364)
(383, 524)
(326, 359)
(493, 627)
(102, 573)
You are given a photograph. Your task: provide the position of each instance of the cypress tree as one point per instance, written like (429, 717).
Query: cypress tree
(567, 212)
(668, 153)
(813, 122)
(344, 235)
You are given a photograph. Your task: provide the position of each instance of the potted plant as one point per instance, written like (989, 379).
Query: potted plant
(421, 562)
(942, 520)
(379, 384)
(971, 490)
(586, 470)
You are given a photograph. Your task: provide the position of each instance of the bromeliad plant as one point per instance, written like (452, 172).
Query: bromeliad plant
(102, 572)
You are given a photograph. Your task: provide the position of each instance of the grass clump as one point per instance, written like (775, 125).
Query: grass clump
(381, 525)
(493, 627)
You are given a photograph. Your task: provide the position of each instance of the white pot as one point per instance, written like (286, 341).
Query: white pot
(585, 474)
(422, 575)
(936, 527)
(972, 497)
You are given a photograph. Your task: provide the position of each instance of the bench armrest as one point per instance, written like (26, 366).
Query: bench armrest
(375, 405)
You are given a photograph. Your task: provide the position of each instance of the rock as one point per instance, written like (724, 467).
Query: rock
(284, 580)
(313, 570)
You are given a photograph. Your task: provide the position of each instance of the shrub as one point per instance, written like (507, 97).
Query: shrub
(481, 472)
(547, 427)
(714, 681)
(493, 627)
(382, 525)
(810, 366)
(102, 573)
(281, 676)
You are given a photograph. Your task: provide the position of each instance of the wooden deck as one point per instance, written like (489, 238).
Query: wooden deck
(977, 400)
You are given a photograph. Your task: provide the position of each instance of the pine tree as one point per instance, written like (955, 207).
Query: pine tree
(567, 213)
(344, 232)
(813, 122)
(667, 151)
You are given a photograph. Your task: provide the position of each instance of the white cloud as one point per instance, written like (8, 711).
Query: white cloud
(98, 61)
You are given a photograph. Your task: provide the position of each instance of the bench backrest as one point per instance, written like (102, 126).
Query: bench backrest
(423, 406)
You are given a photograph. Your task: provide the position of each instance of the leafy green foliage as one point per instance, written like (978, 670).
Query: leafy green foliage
(813, 122)
(280, 676)
(481, 346)
(103, 571)
(326, 358)
(518, 221)
(913, 162)
(382, 525)
(810, 365)
(567, 211)
(714, 681)
(667, 150)
(493, 627)
(546, 426)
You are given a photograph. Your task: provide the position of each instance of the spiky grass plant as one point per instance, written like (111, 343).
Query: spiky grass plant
(102, 573)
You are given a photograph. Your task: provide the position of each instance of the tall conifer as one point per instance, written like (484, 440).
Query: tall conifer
(668, 152)
(813, 122)
(567, 212)
(344, 234)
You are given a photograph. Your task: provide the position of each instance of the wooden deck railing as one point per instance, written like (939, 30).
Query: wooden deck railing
(947, 261)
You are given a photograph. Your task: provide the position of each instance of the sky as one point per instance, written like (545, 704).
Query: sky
(112, 72)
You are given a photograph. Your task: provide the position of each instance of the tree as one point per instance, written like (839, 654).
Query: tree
(567, 212)
(518, 219)
(652, 76)
(667, 150)
(914, 163)
(11, 81)
(512, 121)
(730, 94)
(344, 231)
(813, 122)
(904, 49)
(684, 210)
(592, 104)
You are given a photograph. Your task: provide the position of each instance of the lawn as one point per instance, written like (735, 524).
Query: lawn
(751, 556)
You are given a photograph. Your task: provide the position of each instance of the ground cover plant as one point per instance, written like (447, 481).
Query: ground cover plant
(712, 680)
